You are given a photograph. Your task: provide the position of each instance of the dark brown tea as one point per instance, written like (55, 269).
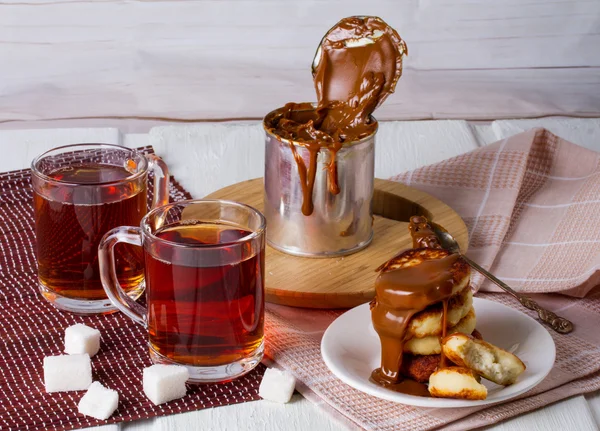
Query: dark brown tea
(71, 220)
(203, 312)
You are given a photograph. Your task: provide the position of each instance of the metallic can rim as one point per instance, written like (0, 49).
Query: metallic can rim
(301, 144)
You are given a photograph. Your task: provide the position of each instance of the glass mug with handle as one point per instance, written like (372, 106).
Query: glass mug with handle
(204, 276)
(80, 192)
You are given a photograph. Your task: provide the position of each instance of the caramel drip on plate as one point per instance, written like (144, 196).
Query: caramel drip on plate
(406, 386)
(357, 65)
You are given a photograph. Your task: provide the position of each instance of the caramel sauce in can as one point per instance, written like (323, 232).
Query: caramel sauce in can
(356, 67)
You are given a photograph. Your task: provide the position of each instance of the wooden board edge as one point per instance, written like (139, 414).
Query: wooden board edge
(324, 301)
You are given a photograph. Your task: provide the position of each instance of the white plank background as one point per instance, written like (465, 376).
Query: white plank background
(209, 59)
(195, 155)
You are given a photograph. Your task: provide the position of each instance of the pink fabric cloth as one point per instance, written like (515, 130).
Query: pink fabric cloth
(532, 206)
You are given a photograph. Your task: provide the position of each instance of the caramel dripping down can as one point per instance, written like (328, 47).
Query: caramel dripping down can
(339, 224)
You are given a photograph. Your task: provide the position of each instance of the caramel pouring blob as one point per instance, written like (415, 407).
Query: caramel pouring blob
(422, 234)
(356, 67)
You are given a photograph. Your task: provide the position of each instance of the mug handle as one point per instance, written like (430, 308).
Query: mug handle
(108, 273)
(161, 180)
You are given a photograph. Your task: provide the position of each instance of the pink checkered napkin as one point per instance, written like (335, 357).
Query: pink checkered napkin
(532, 205)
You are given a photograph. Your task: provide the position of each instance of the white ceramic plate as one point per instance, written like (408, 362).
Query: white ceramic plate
(351, 350)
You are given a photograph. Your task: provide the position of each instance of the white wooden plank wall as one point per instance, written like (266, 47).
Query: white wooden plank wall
(215, 59)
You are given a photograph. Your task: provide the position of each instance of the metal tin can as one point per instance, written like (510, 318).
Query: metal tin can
(339, 224)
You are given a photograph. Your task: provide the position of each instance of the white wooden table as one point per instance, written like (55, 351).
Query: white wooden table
(196, 156)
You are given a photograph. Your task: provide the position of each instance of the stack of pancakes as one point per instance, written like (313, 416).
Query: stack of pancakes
(422, 348)
(424, 316)
(412, 291)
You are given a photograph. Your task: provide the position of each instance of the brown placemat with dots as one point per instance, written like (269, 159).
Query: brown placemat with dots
(30, 329)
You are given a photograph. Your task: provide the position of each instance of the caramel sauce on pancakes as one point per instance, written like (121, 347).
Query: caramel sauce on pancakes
(356, 67)
(422, 234)
(408, 284)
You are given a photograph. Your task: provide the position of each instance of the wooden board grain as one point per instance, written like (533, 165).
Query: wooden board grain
(344, 282)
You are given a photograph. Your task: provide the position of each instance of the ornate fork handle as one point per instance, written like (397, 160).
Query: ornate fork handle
(559, 324)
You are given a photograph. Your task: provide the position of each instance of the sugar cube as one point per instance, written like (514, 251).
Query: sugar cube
(164, 383)
(277, 385)
(98, 402)
(80, 338)
(67, 372)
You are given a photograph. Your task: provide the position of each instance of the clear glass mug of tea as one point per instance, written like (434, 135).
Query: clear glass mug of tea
(204, 276)
(80, 192)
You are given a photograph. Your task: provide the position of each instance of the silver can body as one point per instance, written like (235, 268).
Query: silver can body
(339, 224)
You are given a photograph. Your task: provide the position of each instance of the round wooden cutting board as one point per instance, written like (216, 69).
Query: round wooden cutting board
(343, 282)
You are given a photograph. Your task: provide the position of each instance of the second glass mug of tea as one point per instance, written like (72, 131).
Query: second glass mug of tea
(204, 276)
(80, 192)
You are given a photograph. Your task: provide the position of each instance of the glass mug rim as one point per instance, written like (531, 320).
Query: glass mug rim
(146, 228)
(143, 167)
(73, 291)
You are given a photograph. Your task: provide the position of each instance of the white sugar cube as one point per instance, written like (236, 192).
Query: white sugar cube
(82, 339)
(277, 385)
(164, 383)
(67, 372)
(98, 402)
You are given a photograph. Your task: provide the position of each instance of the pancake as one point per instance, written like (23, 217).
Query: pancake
(456, 382)
(420, 367)
(429, 321)
(487, 360)
(460, 270)
(419, 293)
(430, 345)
